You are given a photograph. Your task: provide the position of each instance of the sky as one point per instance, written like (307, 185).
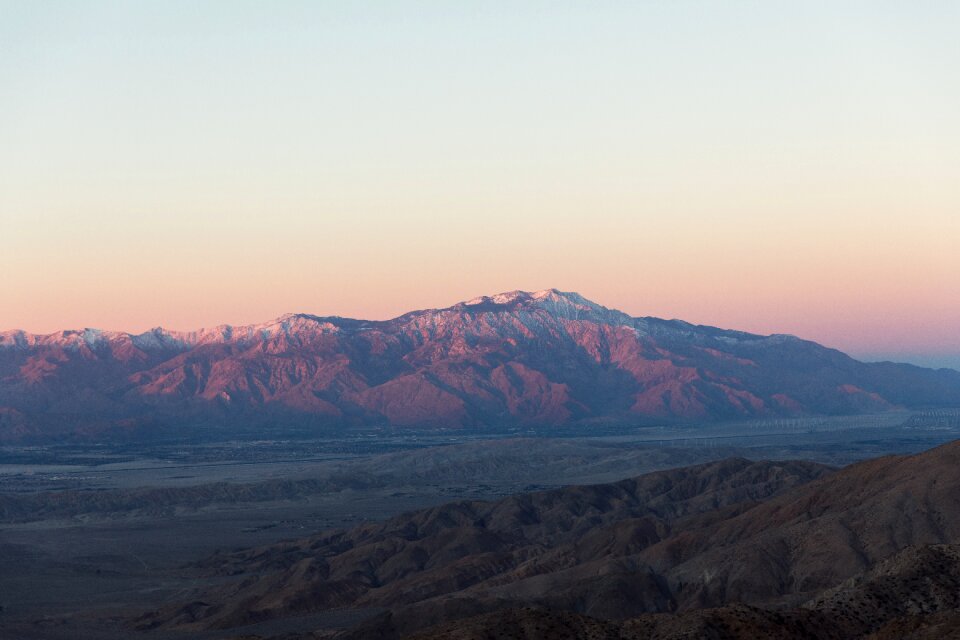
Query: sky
(776, 167)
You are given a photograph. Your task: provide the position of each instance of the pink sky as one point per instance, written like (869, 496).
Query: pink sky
(771, 167)
(852, 288)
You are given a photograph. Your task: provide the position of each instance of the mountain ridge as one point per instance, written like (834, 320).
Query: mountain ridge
(542, 358)
(23, 338)
(727, 549)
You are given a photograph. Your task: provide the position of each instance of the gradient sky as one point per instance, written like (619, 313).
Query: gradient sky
(767, 166)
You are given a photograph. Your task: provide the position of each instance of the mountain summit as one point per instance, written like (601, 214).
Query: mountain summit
(571, 306)
(516, 358)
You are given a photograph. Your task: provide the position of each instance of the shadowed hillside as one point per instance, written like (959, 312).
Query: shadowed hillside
(579, 544)
(733, 549)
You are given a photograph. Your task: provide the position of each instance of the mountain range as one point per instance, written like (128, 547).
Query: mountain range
(545, 358)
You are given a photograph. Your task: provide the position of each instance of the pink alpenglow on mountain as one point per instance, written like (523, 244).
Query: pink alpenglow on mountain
(547, 358)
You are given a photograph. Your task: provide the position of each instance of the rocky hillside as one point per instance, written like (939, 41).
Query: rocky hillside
(543, 358)
(733, 549)
(570, 548)
(913, 596)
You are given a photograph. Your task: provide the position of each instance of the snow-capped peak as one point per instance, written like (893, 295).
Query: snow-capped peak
(563, 304)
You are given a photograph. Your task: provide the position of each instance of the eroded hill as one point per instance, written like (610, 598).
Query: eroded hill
(733, 549)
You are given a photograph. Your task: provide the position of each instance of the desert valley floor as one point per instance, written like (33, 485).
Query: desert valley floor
(92, 539)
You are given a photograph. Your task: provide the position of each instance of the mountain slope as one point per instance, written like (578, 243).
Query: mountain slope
(870, 549)
(543, 358)
(573, 544)
(913, 596)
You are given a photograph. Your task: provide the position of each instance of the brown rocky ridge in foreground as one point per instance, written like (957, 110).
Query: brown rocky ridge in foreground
(545, 359)
(732, 549)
